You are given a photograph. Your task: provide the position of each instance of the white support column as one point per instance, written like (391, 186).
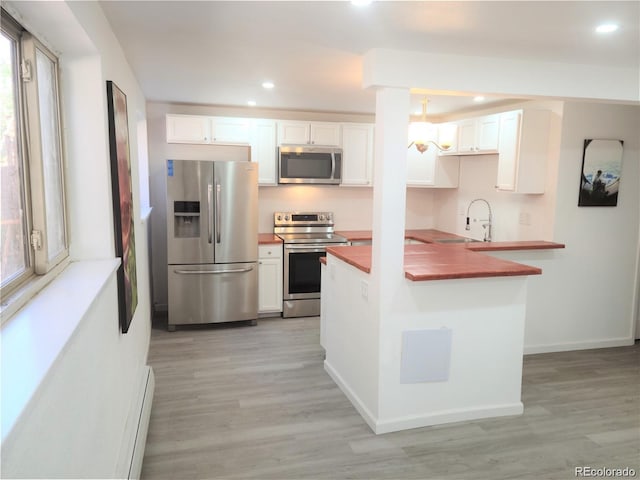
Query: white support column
(389, 193)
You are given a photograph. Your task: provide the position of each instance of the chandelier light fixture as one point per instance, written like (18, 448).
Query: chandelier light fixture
(422, 133)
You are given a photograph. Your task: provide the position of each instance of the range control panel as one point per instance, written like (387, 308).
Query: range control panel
(292, 219)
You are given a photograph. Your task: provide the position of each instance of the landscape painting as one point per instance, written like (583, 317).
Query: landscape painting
(601, 173)
(122, 204)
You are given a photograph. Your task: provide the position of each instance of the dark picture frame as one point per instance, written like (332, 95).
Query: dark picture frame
(122, 196)
(601, 173)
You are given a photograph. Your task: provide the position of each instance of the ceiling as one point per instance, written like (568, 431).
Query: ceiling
(220, 52)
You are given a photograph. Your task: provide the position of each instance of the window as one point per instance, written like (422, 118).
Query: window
(32, 214)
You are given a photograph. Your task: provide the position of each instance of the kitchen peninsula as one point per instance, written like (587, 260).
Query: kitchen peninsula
(450, 347)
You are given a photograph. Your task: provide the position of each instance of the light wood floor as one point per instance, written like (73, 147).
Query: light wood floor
(255, 403)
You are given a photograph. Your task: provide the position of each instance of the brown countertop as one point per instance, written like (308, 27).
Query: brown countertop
(268, 238)
(438, 262)
(430, 235)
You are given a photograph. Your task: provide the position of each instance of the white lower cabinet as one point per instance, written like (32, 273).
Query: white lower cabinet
(270, 278)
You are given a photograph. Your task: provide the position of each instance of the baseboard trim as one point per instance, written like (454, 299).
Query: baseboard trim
(448, 416)
(588, 345)
(364, 412)
(418, 421)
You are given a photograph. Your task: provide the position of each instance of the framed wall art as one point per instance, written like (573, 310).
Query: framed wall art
(122, 204)
(601, 173)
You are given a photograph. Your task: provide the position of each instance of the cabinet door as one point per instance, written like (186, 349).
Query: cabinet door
(448, 135)
(263, 150)
(421, 167)
(325, 134)
(357, 154)
(487, 132)
(188, 129)
(295, 133)
(509, 147)
(270, 278)
(230, 130)
(467, 136)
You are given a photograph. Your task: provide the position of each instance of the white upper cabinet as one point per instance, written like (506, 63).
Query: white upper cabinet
(230, 130)
(448, 135)
(429, 169)
(309, 133)
(478, 135)
(523, 151)
(188, 129)
(209, 130)
(357, 154)
(263, 150)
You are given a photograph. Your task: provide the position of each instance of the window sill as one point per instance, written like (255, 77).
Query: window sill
(34, 337)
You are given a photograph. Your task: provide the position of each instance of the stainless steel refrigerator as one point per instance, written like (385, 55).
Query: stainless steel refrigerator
(212, 241)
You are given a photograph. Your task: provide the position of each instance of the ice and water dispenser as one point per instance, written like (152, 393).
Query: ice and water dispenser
(186, 218)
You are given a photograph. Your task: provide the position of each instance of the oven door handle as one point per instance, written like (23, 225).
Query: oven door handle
(303, 249)
(333, 166)
(314, 248)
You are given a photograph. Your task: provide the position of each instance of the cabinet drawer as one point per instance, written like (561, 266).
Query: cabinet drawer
(270, 251)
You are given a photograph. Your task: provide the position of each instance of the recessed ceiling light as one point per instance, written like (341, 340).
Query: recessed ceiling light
(268, 85)
(479, 98)
(251, 103)
(361, 3)
(607, 28)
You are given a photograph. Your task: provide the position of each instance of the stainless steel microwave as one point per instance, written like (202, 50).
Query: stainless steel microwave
(309, 164)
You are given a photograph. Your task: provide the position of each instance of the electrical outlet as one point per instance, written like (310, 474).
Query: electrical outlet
(525, 218)
(364, 289)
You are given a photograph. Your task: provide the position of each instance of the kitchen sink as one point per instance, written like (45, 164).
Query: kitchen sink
(455, 240)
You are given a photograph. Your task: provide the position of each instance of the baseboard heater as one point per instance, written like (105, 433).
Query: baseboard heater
(132, 464)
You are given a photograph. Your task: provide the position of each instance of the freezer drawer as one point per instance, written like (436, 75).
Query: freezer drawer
(212, 293)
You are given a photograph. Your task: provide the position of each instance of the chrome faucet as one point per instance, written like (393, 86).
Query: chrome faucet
(486, 226)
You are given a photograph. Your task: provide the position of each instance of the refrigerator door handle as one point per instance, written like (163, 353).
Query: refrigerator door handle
(218, 212)
(209, 272)
(209, 202)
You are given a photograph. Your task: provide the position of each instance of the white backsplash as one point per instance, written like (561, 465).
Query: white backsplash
(352, 206)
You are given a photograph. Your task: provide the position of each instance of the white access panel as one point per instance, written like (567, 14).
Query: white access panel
(426, 355)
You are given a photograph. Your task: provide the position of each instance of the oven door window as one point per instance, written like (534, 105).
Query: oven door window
(304, 272)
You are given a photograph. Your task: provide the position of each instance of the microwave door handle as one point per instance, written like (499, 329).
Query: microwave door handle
(209, 202)
(218, 212)
(333, 165)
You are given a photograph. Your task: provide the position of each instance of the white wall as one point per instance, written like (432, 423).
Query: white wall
(599, 272)
(82, 414)
(352, 206)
